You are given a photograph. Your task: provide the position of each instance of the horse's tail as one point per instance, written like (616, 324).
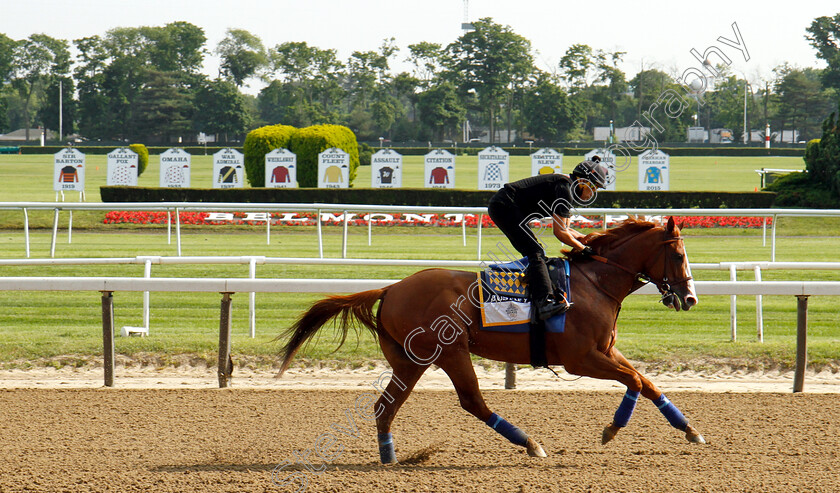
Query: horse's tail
(354, 307)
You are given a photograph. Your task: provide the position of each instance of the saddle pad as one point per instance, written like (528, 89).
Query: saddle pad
(500, 313)
(505, 283)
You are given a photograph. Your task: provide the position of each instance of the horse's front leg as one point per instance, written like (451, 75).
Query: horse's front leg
(614, 366)
(625, 410)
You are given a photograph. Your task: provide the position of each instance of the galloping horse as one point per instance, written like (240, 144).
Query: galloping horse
(432, 317)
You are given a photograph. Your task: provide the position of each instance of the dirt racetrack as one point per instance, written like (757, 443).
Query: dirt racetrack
(232, 440)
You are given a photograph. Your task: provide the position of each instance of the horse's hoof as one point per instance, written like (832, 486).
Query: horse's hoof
(693, 435)
(609, 433)
(534, 448)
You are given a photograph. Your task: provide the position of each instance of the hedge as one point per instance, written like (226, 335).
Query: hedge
(260, 142)
(94, 150)
(472, 151)
(308, 142)
(427, 197)
(142, 157)
(580, 151)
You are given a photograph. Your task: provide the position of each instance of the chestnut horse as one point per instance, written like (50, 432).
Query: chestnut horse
(432, 317)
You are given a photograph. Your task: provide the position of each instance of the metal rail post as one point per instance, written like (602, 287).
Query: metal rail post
(178, 229)
(773, 240)
(320, 234)
(252, 300)
(801, 342)
(344, 237)
(510, 376)
(759, 308)
(26, 230)
(225, 366)
(733, 307)
(108, 336)
(54, 234)
(268, 228)
(480, 219)
(464, 229)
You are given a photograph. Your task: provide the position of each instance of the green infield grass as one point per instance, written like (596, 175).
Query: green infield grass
(29, 177)
(65, 328)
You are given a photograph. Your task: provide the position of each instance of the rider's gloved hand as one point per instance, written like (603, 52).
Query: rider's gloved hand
(586, 252)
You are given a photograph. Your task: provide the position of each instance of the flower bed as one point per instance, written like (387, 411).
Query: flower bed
(383, 219)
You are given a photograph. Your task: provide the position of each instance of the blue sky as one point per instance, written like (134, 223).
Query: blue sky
(655, 34)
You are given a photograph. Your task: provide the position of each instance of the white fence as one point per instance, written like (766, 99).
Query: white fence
(345, 209)
(254, 261)
(107, 285)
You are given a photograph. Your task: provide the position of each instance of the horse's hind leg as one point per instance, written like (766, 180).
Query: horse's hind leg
(405, 375)
(461, 372)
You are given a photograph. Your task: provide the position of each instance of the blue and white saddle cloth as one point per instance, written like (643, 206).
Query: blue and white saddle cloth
(505, 304)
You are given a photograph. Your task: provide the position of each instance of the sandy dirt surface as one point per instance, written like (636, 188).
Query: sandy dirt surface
(234, 439)
(171, 429)
(329, 378)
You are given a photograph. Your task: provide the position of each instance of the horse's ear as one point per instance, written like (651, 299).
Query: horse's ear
(671, 224)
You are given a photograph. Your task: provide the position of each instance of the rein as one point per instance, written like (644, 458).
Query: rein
(664, 286)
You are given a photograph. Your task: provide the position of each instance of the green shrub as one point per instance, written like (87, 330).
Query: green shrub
(365, 154)
(142, 157)
(260, 142)
(426, 197)
(308, 142)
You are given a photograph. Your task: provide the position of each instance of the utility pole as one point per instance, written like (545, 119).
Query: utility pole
(60, 110)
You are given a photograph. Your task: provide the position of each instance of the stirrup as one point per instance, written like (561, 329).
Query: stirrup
(550, 307)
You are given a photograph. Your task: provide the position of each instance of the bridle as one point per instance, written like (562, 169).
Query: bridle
(664, 285)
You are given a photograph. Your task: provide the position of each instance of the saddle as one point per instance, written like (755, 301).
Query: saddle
(506, 304)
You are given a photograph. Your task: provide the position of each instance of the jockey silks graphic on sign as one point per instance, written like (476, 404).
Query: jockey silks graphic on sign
(280, 169)
(386, 169)
(333, 169)
(654, 167)
(228, 169)
(493, 165)
(69, 171)
(439, 169)
(546, 161)
(122, 168)
(175, 168)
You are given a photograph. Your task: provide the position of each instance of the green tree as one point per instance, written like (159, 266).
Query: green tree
(549, 112)
(37, 61)
(7, 47)
(490, 61)
(66, 104)
(177, 47)
(309, 86)
(802, 103)
(220, 109)
(243, 56)
(427, 59)
(440, 109)
(163, 109)
(824, 35)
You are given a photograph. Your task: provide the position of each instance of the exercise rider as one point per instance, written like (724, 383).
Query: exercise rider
(520, 202)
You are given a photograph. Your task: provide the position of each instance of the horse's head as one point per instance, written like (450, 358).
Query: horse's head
(670, 271)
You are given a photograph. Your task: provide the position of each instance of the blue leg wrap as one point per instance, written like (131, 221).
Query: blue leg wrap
(386, 448)
(507, 430)
(671, 413)
(625, 409)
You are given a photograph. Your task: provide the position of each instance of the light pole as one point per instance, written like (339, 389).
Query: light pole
(746, 130)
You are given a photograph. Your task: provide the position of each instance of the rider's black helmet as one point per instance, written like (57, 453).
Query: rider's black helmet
(593, 171)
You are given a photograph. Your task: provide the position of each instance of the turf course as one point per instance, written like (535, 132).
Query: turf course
(65, 328)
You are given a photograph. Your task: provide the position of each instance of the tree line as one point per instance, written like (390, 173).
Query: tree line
(144, 84)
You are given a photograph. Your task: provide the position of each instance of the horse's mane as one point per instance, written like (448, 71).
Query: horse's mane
(600, 240)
